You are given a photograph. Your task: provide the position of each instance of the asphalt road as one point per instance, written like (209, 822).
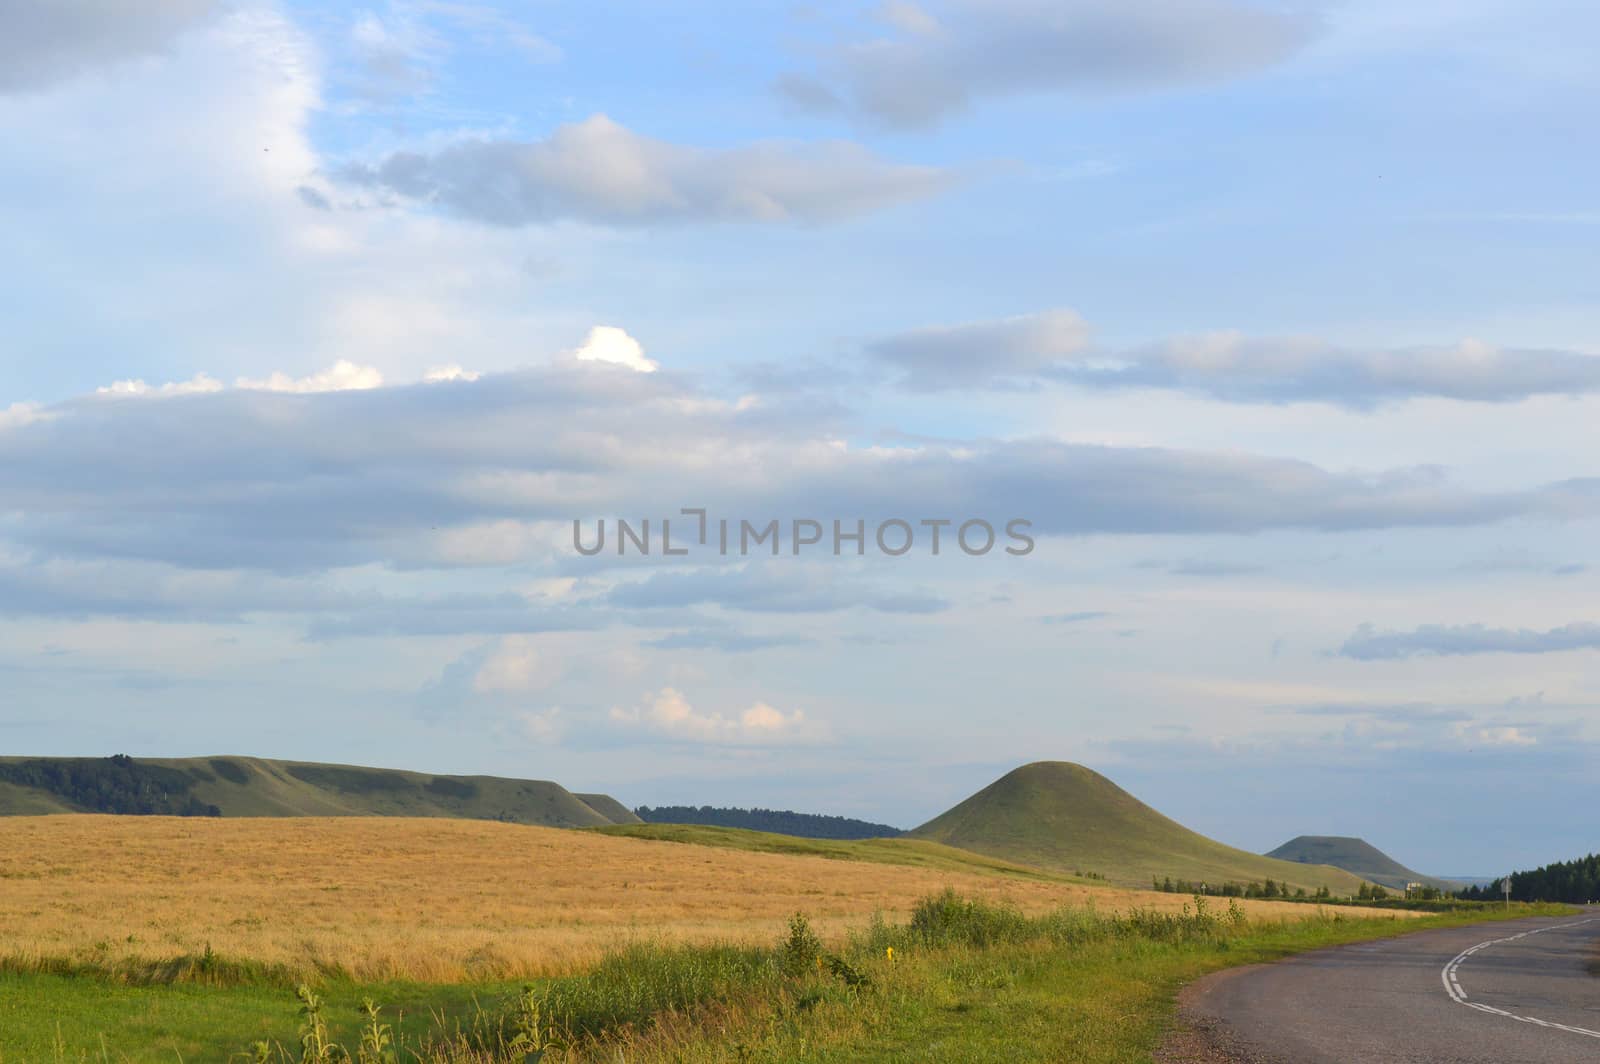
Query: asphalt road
(1518, 992)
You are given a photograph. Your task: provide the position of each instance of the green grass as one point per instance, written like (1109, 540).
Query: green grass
(196, 1022)
(1052, 814)
(919, 853)
(990, 985)
(609, 808)
(966, 981)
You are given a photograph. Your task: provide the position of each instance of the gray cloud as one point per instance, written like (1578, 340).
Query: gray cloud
(304, 483)
(941, 60)
(599, 171)
(982, 352)
(45, 42)
(1052, 345)
(1369, 644)
(150, 591)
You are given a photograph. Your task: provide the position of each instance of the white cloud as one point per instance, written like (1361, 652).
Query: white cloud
(1499, 736)
(668, 714)
(199, 384)
(342, 376)
(19, 414)
(515, 666)
(452, 372)
(607, 343)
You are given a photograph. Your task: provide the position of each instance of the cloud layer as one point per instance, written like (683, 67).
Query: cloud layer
(1053, 345)
(307, 480)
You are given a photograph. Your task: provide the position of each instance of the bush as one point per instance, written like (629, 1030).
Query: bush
(799, 952)
(949, 919)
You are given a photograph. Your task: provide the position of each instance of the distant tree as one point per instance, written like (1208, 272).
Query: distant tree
(781, 821)
(1576, 882)
(116, 784)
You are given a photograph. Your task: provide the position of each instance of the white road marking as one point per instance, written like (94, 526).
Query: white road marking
(1452, 983)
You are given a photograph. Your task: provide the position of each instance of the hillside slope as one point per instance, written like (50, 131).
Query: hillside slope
(610, 808)
(1059, 815)
(1357, 856)
(919, 853)
(258, 787)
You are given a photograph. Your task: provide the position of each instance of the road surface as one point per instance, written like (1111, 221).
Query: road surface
(1518, 992)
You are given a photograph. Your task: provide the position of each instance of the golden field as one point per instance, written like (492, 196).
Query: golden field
(433, 899)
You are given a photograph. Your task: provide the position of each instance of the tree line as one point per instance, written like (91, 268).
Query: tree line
(779, 821)
(1269, 889)
(1575, 882)
(116, 784)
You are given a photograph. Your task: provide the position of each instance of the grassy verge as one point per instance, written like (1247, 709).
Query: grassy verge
(52, 1018)
(961, 981)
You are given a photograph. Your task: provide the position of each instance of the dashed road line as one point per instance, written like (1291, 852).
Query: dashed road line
(1452, 981)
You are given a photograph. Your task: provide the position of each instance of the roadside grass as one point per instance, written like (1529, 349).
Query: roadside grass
(71, 1018)
(961, 980)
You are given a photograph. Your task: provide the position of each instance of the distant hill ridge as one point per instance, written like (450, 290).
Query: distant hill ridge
(252, 786)
(776, 821)
(1358, 856)
(1055, 814)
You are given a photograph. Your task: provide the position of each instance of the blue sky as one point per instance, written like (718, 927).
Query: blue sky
(1277, 321)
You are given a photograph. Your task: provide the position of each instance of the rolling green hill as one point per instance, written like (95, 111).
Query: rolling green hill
(1358, 856)
(610, 808)
(252, 786)
(918, 853)
(1054, 814)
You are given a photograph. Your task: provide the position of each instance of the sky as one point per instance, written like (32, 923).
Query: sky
(1276, 324)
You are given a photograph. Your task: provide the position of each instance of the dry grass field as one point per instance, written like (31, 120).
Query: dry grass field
(435, 900)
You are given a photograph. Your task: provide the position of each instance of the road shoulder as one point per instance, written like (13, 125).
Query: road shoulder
(1198, 1037)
